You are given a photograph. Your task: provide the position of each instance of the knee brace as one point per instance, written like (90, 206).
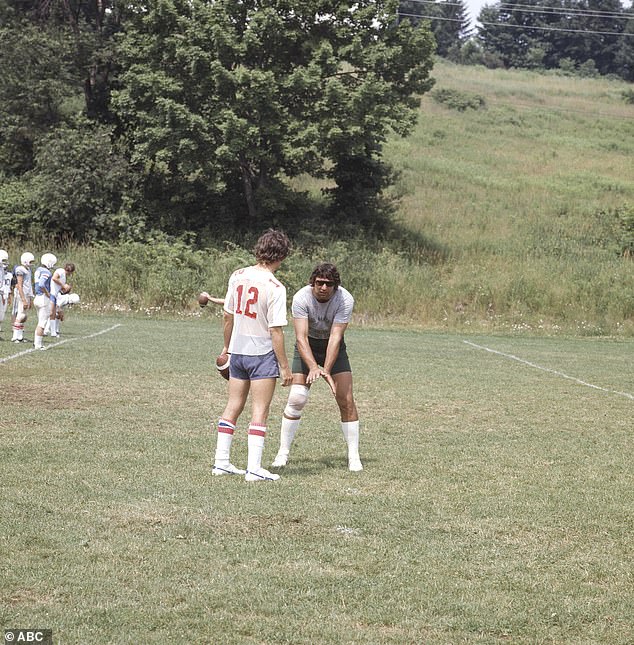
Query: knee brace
(297, 399)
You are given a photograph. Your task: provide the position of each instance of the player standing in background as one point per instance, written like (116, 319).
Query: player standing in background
(42, 300)
(321, 313)
(58, 286)
(253, 320)
(22, 295)
(5, 284)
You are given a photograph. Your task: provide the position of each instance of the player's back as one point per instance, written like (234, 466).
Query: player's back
(257, 301)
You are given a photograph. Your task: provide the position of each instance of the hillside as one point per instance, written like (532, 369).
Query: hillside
(524, 199)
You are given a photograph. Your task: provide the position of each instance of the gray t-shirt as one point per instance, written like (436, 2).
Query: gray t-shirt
(322, 315)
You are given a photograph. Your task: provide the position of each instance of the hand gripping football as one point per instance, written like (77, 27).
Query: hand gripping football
(203, 299)
(222, 365)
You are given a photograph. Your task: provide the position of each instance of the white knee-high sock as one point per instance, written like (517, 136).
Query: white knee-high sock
(255, 441)
(287, 434)
(350, 431)
(223, 442)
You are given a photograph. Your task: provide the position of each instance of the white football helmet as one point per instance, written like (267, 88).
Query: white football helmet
(4, 257)
(49, 260)
(26, 259)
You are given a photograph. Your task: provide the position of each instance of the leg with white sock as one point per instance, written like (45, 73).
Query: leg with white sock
(238, 392)
(297, 399)
(349, 418)
(222, 463)
(261, 395)
(18, 326)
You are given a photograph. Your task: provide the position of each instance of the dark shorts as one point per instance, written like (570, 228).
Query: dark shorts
(318, 346)
(253, 368)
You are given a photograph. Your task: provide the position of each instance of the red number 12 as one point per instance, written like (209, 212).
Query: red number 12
(253, 292)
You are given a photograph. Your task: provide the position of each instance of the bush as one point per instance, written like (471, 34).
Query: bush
(628, 96)
(457, 100)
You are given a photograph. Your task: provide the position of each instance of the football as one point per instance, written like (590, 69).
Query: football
(203, 299)
(222, 365)
(66, 288)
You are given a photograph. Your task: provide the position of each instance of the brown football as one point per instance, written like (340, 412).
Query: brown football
(222, 365)
(203, 299)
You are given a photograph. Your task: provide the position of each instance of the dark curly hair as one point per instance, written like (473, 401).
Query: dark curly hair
(273, 246)
(325, 271)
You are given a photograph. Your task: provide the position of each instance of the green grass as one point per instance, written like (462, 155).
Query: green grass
(496, 503)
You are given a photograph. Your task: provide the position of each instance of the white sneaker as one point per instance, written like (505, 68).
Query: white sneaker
(261, 475)
(280, 460)
(355, 465)
(227, 469)
(54, 335)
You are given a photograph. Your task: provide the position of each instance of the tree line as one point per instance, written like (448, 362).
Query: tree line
(122, 118)
(589, 37)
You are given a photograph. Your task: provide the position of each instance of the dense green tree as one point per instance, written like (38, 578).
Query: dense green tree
(450, 21)
(548, 33)
(220, 95)
(37, 90)
(80, 184)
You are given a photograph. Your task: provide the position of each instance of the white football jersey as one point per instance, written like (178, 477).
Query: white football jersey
(60, 274)
(27, 281)
(258, 302)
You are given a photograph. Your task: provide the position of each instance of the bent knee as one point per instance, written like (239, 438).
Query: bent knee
(297, 399)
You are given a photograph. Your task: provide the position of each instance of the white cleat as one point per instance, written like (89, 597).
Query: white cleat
(227, 469)
(355, 465)
(261, 475)
(280, 460)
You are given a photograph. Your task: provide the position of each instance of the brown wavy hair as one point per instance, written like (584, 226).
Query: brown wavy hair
(273, 246)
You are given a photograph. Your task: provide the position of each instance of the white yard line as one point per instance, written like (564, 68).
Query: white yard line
(547, 369)
(6, 359)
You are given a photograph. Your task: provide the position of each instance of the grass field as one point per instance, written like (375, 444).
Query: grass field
(496, 504)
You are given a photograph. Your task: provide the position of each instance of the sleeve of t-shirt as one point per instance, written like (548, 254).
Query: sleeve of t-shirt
(344, 311)
(299, 308)
(229, 305)
(277, 308)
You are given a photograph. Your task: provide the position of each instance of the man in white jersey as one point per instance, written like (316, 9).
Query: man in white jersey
(254, 317)
(42, 300)
(59, 282)
(22, 295)
(321, 313)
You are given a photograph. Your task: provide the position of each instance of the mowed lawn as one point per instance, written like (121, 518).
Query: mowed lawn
(496, 504)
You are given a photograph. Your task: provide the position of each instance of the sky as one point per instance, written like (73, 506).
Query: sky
(474, 7)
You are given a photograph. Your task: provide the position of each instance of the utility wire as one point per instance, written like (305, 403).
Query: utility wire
(546, 10)
(504, 24)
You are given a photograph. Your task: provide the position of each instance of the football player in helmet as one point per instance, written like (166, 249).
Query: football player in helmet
(22, 295)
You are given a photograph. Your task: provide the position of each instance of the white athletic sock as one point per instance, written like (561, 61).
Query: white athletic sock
(223, 442)
(38, 341)
(18, 331)
(255, 440)
(350, 431)
(287, 434)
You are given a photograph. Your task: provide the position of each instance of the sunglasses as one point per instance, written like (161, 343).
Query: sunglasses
(324, 283)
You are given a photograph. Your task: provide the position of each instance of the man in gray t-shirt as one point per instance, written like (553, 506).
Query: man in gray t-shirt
(321, 313)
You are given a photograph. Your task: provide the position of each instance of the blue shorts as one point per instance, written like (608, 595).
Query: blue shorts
(253, 368)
